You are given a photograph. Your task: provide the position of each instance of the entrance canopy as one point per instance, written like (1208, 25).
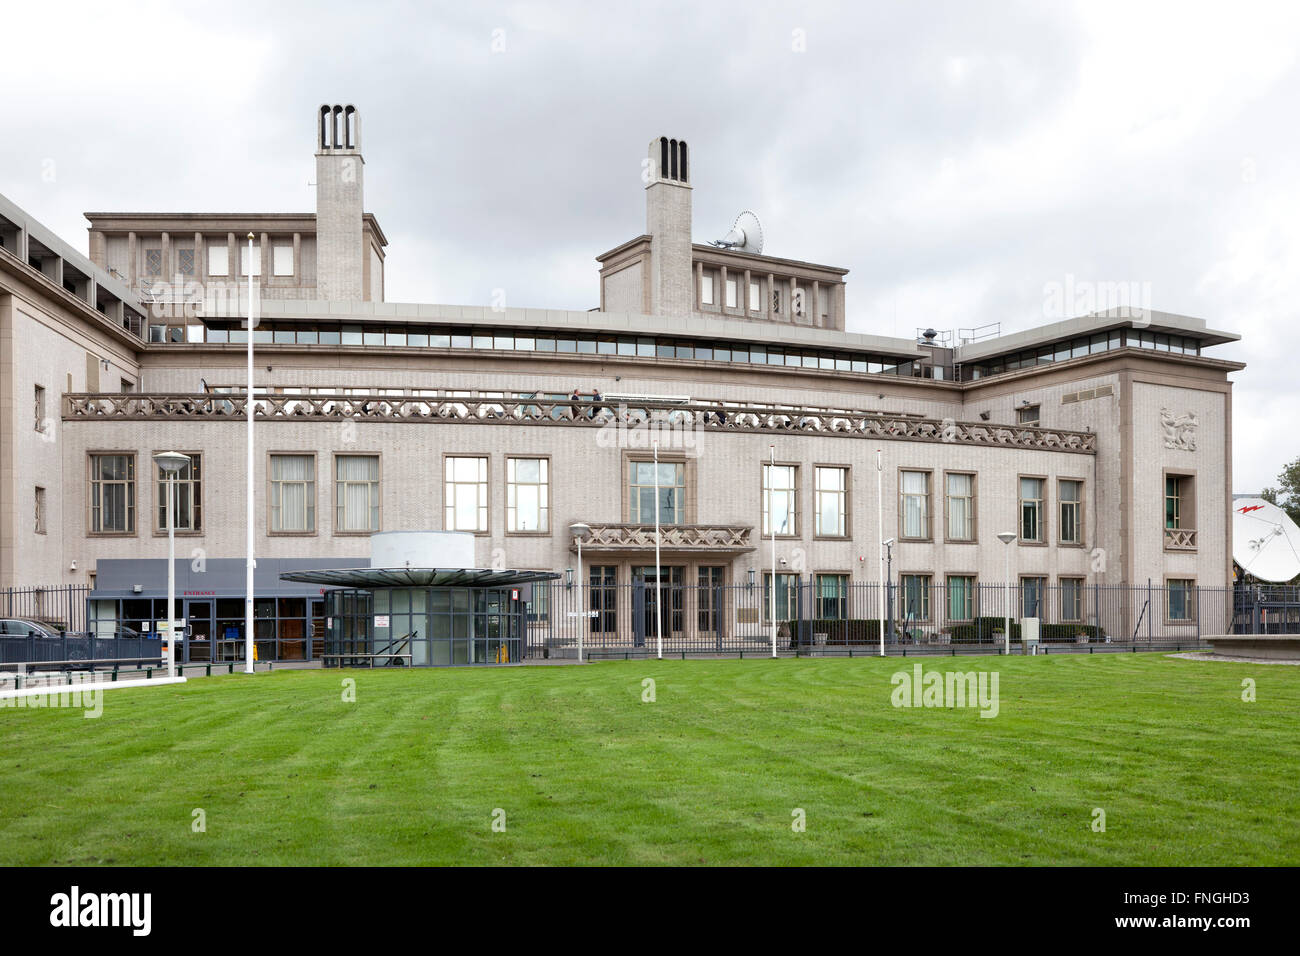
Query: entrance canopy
(418, 577)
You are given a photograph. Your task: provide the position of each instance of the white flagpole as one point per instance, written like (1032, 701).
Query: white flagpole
(880, 523)
(250, 562)
(771, 520)
(659, 591)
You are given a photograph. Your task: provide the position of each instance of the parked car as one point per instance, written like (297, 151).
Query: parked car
(17, 627)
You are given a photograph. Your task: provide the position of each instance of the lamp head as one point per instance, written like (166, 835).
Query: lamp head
(1006, 537)
(171, 461)
(580, 530)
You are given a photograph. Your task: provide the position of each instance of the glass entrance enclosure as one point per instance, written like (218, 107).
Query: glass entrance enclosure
(424, 617)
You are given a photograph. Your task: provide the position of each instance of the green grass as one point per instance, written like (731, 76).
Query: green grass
(411, 773)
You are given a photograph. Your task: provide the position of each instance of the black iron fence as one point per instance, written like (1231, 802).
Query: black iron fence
(827, 612)
(1267, 609)
(77, 647)
(58, 608)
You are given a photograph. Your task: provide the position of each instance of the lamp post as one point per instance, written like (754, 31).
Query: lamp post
(249, 561)
(171, 462)
(1006, 537)
(580, 531)
(659, 591)
(771, 520)
(880, 523)
(889, 581)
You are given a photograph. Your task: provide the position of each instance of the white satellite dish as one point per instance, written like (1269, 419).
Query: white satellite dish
(1265, 541)
(745, 236)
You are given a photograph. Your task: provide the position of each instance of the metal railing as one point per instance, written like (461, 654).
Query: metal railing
(60, 607)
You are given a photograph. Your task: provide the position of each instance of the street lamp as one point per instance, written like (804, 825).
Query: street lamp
(171, 462)
(1006, 537)
(889, 583)
(580, 531)
(771, 520)
(251, 407)
(659, 591)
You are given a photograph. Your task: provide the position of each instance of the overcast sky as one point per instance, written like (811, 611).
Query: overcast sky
(959, 158)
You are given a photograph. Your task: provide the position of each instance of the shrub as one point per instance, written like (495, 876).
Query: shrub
(837, 630)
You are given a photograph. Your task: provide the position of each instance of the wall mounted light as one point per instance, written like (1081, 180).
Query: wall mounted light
(750, 583)
(568, 578)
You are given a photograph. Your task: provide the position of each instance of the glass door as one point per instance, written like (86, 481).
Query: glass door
(670, 616)
(198, 649)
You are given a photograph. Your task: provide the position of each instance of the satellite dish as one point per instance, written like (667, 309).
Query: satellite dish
(1265, 541)
(745, 236)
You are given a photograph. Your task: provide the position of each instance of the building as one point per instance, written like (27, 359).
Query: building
(1102, 441)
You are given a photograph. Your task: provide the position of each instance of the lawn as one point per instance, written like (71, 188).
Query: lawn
(417, 768)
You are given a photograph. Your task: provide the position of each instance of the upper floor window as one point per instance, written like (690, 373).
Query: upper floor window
(1029, 415)
(244, 259)
(112, 494)
(218, 260)
(732, 293)
(961, 506)
(187, 513)
(40, 408)
(356, 493)
(671, 484)
(914, 510)
(1071, 503)
(1178, 502)
(706, 288)
(755, 297)
(527, 494)
(153, 262)
(40, 510)
(780, 499)
(466, 493)
(282, 259)
(1031, 509)
(831, 492)
(185, 261)
(293, 493)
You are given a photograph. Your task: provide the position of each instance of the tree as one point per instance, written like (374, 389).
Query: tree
(1287, 495)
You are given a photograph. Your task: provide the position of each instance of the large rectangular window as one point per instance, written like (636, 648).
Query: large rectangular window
(780, 499)
(218, 260)
(112, 494)
(1071, 503)
(528, 494)
(832, 596)
(602, 598)
(1178, 502)
(1181, 599)
(914, 598)
(706, 288)
(188, 513)
(961, 506)
(1071, 600)
(672, 492)
(732, 293)
(832, 486)
(914, 504)
(1031, 596)
(356, 493)
(961, 597)
(466, 494)
(293, 494)
(1031, 509)
(244, 259)
(787, 596)
(282, 260)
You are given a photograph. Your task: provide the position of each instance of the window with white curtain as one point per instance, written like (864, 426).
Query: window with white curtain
(112, 494)
(466, 494)
(832, 498)
(527, 494)
(356, 493)
(282, 260)
(915, 504)
(961, 507)
(293, 493)
(244, 261)
(780, 499)
(218, 259)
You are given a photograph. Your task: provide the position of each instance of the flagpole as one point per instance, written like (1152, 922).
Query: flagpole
(880, 523)
(771, 520)
(249, 562)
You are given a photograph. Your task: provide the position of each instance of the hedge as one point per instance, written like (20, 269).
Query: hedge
(837, 630)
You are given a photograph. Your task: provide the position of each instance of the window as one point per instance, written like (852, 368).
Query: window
(914, 598)
(1031, 596)
(153, 262)
(185, 261)
(538, 606)
(1031, 509)
(40, 510)
(218, 260)
(40, 408)
(112, 494)
(709, 598)
(831, 493)
(796, 300)
(1071, 503)
(467, 494)
(293, 493)
(243, 259)
(755, 299)
(961, 506)
(780, 499)
(1181, 599)
(527, 494)
(672, 492)
(832, 596)
(602, 597)
(961, 597)
(1028, 415)
(282, 260)
(1178, 502)
(914, 511)
(1071, 600)
(706, 288)
(787, 597)
(732, 293)
(188, 512)
(776, 301)
(356, 493)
